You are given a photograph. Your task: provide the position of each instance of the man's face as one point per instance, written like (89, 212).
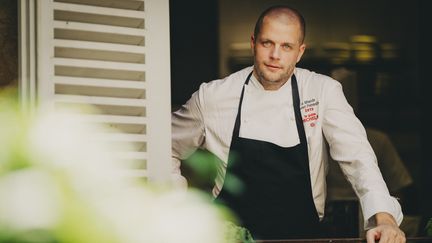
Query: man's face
(277, 49)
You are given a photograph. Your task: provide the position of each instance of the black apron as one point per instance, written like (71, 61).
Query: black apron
(276, 199)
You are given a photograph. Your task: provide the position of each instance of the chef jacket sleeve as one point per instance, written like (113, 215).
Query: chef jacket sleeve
(187, 134)
(349, 146)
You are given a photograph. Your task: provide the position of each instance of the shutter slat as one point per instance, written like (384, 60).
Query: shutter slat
(98, 10)
(132, 155)
(101, 55)
(99, 46)
(73, 62)
(120, 137)
(98, 37)
(115, 4)
(114, 119)
(100, 91)
(109, 83)
(99, 100)
(99, 73)
(98, 28)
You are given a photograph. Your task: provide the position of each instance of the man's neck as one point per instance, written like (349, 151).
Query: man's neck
(268, 85)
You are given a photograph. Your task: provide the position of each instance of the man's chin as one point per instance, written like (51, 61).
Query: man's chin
(272, 78)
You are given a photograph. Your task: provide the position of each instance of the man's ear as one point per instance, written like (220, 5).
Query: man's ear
(301, 51)
(252, 44)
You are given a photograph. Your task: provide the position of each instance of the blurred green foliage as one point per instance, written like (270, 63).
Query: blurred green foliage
(238, 234)
(201, 169)
(429, 227)
(47, 197)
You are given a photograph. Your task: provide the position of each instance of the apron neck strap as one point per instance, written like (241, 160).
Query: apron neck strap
(296, 104)
(236, 130)
(297, 111)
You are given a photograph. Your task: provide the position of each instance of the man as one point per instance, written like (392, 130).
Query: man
(266, 124)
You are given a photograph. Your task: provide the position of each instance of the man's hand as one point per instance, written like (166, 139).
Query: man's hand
(386, 231)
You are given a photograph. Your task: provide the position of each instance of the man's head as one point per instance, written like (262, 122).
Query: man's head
(281, 9)
(278, 45)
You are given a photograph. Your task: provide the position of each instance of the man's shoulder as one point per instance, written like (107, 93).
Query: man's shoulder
(311, 79)
(229, 83)
(306, 75)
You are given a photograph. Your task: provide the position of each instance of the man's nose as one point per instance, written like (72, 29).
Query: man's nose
(275, 52)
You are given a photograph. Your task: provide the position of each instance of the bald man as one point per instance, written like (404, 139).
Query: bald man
(269, 125)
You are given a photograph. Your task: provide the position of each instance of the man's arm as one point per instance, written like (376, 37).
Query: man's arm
(349, 146)
(187, 129)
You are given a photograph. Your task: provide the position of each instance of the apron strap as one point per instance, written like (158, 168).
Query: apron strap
(297, 111)
(236, 130)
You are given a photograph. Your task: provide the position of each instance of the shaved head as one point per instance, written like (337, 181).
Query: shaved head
(282, 13)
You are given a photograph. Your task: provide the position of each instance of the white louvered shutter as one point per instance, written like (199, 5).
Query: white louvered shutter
(114, 55)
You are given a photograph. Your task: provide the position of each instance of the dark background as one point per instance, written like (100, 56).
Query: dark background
(194, 46)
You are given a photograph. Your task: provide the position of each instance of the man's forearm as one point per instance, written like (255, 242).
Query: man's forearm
(385, 219)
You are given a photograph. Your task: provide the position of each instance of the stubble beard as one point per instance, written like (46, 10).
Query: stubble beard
(263, 78)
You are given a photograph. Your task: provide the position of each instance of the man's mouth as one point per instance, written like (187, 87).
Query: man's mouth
(272, 67)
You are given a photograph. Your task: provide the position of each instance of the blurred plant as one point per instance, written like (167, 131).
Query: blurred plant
(201, 169)
(429, 227)
(237, 234)
(58, 185)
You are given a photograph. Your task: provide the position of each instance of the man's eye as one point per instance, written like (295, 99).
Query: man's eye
(286, 47)
(266, 44)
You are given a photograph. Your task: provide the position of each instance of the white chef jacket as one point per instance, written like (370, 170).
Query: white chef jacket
(207, 121)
